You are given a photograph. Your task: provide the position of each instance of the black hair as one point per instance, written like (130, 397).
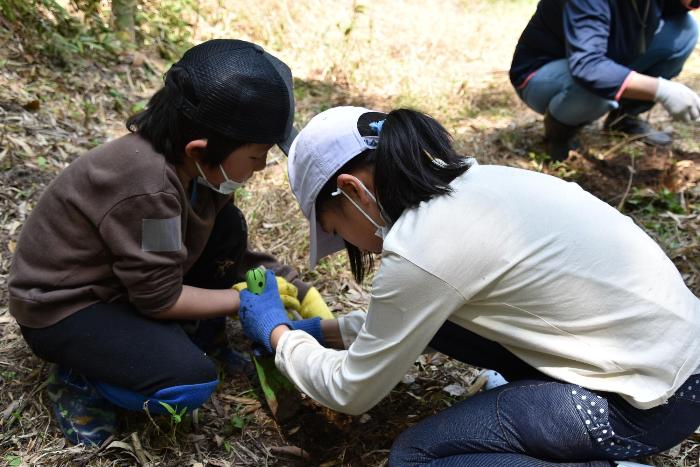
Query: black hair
(169, 130)
(414, 161)
(360, 262)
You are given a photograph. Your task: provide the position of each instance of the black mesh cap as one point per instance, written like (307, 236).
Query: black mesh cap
(240, 91)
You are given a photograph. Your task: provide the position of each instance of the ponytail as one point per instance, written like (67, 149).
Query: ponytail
(414, 161)
(169, 130)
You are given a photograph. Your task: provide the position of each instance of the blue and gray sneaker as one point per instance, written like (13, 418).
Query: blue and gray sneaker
(494, 379)
(82, 414)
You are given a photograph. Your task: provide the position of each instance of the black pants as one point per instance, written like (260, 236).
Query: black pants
(468, 347)
(116, 344)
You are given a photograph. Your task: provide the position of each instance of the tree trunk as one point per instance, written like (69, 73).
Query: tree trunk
(123, 12)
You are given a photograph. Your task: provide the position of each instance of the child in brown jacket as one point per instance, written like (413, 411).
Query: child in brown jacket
(118, 276)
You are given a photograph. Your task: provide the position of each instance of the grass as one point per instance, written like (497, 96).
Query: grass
(449, 59)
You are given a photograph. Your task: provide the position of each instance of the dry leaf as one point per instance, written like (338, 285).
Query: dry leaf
(290, 451)
(455, 390)
(32, 106)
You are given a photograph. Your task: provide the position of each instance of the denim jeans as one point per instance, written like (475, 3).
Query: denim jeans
(552, 88)
(539, 421)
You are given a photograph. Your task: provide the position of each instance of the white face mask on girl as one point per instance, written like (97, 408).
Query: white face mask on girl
(227, 187)
(382, 230)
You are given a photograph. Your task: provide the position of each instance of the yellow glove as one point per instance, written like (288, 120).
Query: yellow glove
(313, 305)
(288, 293)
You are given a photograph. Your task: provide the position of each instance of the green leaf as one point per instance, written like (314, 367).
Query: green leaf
(168, 407)
(241, 193)
(238, 422)
(13, 461)
(138, 107)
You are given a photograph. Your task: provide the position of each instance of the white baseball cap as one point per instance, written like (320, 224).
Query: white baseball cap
(323, 147)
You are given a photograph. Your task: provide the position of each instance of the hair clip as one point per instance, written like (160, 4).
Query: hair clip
(377, 126)
(438, 162)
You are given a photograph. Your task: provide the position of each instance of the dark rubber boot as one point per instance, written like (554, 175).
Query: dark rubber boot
(620, 122)
(559, 138)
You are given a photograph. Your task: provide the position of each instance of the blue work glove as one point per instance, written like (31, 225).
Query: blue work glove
(260, 314)
(311, 326)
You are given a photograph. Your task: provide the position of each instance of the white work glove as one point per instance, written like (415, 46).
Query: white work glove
(678, 100)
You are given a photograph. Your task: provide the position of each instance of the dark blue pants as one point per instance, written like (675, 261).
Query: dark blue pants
(538, 421)
(552, 88)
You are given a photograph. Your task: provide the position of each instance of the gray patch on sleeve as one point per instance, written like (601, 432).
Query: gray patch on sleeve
(161, 234)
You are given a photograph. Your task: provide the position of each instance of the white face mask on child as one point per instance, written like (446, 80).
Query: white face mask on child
(382, 230)
(227, 187)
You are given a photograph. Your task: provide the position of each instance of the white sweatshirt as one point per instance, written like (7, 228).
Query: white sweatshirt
(561, 279)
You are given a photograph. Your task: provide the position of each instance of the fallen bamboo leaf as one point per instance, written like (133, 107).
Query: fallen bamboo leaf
(141, 454)
(418, 398)
(239, 400)
(294, 451)
(195, 438)
(249, 409)
(7, 413)
(121, 445)
(19, 142)
(218, 462)
(216, 403)
(105, 444)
